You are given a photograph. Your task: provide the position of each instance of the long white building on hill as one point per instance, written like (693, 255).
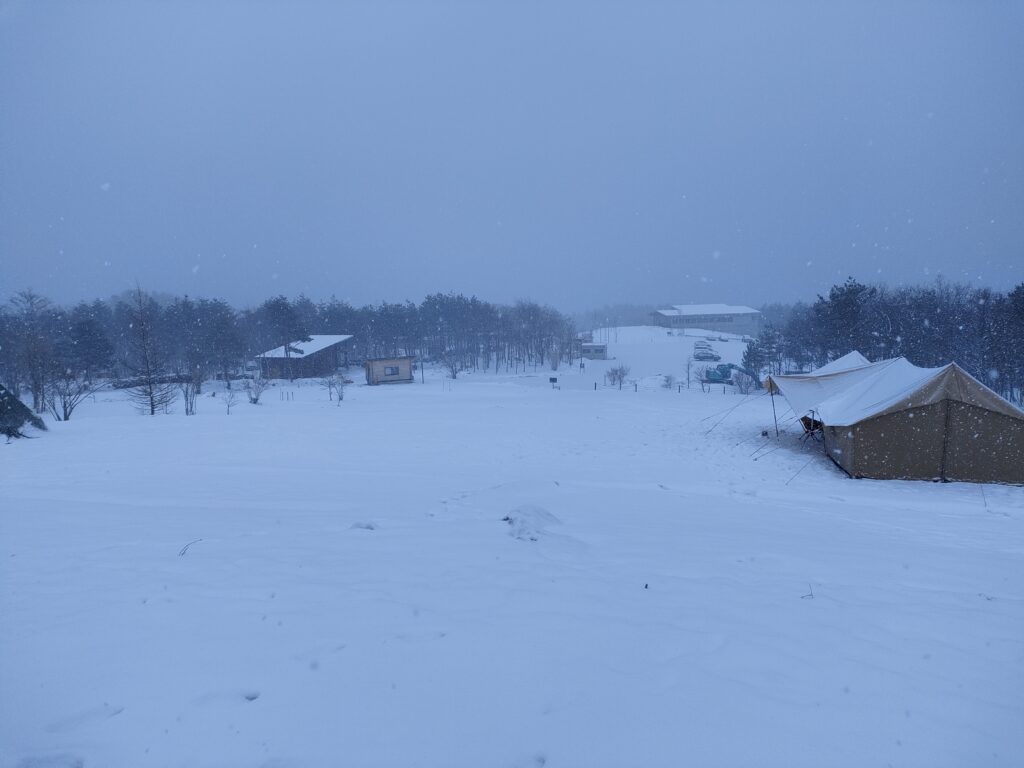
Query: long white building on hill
(712, 317)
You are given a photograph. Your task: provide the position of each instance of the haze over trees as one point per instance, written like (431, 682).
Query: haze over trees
(930, 325)
(154, 344)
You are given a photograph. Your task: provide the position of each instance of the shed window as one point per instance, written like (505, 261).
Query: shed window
(390, 370)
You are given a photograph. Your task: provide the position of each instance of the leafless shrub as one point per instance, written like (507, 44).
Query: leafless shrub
(190, 388)
(555, 356)
(701, 374)
(617, 375)
(255, 387)
(334, 385)
(745, 383)
(65, 390)
(452, 364)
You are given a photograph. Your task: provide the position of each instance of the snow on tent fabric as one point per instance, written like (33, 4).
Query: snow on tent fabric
(805, 391)
(847, 362)
(892, 420)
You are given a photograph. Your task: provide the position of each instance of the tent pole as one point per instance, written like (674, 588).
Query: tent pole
(771, 392)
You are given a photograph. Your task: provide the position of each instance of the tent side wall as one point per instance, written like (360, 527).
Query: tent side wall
(905, 445)
(984, 446)
(840, 446)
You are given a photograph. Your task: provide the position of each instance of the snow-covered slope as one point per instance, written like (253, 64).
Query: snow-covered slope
(651, 353)
(492, 572)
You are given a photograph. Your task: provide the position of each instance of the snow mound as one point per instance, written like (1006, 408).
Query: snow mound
(529, 521)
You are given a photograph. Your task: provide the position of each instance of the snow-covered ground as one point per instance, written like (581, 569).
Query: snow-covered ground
(493, 572)
(651, 353)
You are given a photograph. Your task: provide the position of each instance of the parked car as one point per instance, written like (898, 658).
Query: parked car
(706, 354)
(701, 345)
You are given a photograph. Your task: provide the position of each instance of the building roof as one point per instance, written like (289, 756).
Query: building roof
(300, 349)
(678, 310)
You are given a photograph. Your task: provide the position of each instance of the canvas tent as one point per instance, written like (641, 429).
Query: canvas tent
(892, 419)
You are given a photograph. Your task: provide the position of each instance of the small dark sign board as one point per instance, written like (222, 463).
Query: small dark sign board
(553, 379)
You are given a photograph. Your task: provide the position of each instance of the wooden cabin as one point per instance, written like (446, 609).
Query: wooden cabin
(389, 370)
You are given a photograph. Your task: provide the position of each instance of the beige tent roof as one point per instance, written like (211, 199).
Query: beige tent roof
(845, 363)
(846, 397)
(806, 391)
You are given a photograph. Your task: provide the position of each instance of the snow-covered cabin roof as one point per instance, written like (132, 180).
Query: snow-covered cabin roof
(299, 349)
(678, 310)
(845, 397)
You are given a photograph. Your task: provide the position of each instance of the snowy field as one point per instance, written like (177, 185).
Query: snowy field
(493, 572)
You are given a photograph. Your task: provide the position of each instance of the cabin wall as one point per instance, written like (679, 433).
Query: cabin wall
(389, 371)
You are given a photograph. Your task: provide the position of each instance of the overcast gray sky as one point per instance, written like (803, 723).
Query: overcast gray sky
(577, 153)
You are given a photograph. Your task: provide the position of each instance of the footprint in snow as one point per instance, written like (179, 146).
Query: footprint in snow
(226, 696)
(529, 521)
(536, 761)
(85, 717)
(51, 761)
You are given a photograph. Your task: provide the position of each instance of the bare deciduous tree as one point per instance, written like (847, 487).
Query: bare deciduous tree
(255, 387)
(190, 389)
(34, 343)
(334, 384)
(230, 400)
(151, 391)
(555, 356)
(617, 375)
(65, 390)
(745, 383)
(701, 372)
(451, 364)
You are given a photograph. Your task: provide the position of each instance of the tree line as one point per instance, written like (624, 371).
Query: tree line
(980, 329)
(157, 345)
